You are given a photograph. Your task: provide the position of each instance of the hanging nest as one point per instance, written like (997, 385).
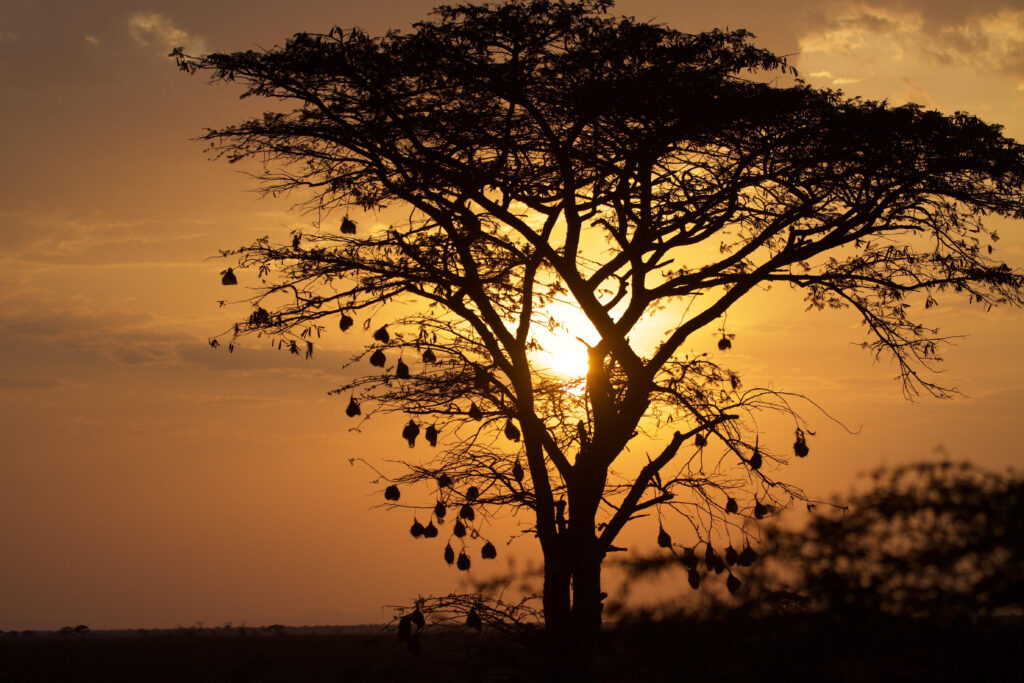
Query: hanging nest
(693, 577)
(511, 431)
(459, 529)
(755, 460)
(392, 493)
(416, 529)
(228, 277)
(377, 358)
(733, 584)
(474, 412)
(689, 559)
(431, 435)
(440, 510)
(473, 620)
(724, 344)
(747, 557)
(449, 554)
(731, 506)
(760, 510)
(429, 357)
(444, 481)
(731, 556)
(800, 448)
(463, 562)
(402, 370)
(488, 552)
(353, 408)
(700, 441)
(466, 512)
(472, 493)
(481, 379)
(430, 531)
(260, 317)
(345, 322)
(517, 472)
(381, 334)
(404, 627)
(709, 557)
(348, 226)
(664, 540)
(410, 432)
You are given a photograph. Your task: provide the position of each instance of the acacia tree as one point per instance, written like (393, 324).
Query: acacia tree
(549, 152)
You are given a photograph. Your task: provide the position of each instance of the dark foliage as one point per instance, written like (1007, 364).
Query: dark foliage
(931, 540)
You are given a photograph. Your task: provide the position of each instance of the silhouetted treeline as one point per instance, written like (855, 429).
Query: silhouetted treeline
(939, 541)
(929, 540)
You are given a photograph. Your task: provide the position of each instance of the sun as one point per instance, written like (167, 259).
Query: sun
(563, 342)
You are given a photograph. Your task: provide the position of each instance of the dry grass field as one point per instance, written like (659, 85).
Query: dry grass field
(793, 648)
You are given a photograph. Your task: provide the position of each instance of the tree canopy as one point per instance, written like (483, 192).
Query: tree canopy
(549, 153)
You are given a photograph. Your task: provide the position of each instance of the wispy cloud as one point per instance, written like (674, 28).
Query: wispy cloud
(92, 40)
(158, 30)
(915, 92)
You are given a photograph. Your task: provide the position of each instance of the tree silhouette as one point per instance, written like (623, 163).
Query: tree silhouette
(933, 540)
(551, 155)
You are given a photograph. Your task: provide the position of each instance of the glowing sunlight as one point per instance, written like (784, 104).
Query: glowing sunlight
(563, 340)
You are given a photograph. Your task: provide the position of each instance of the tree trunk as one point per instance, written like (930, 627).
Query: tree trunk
(556, 598)
(587, 597)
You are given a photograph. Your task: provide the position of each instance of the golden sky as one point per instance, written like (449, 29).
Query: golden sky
(147, 480)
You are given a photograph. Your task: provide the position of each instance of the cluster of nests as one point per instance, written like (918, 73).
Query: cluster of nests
(800, 449)
(459, 530)
(481, 380)
(712, 561)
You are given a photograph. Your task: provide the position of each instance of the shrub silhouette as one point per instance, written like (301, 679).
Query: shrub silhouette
(928, 540)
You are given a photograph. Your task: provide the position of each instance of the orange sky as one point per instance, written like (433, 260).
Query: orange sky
(147, 480)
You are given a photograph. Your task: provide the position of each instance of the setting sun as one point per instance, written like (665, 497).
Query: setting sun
(563, 337)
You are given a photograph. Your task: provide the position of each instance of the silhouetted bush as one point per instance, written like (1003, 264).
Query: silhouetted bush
(929, 540)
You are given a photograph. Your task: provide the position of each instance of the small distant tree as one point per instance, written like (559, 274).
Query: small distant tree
(547, 153)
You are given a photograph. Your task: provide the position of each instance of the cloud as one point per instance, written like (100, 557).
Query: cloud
(993, 42)
(914, 92)
(837, 81)
(92, 40)
(58, 238)
(856, 27)
(157, 30)
(33, 383)
(987, 36)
